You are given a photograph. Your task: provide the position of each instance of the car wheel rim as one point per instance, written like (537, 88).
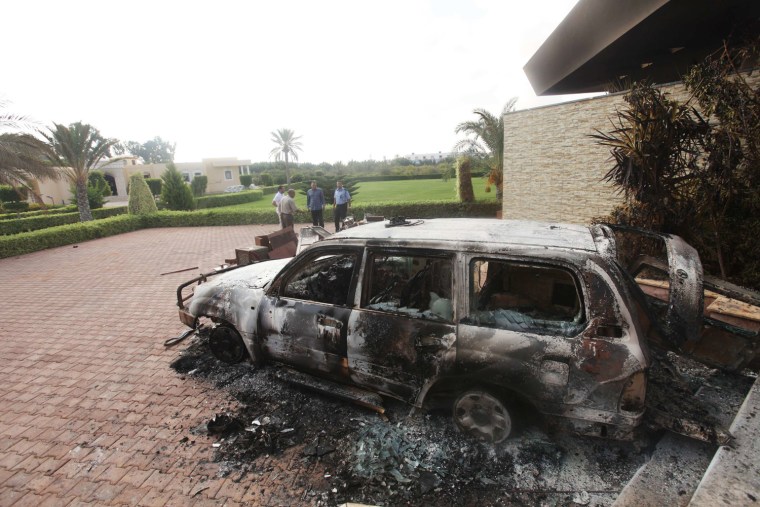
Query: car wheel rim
(482, 415)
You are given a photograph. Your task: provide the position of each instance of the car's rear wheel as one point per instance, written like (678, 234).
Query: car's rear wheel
(227, 345)
(482, 415)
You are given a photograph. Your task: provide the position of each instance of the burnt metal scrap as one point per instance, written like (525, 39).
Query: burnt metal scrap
(487, 315)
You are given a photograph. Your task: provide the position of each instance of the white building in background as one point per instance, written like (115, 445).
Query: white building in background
(221, 173)
(420, 158)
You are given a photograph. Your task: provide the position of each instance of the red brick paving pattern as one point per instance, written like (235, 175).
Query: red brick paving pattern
(90, 412)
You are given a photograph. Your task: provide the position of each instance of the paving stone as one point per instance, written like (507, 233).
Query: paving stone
(88, 394)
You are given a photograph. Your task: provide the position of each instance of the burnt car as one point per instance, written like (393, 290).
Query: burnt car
(493, 314)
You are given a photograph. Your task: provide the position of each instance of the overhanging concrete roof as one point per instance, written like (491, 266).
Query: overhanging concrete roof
(601, 42)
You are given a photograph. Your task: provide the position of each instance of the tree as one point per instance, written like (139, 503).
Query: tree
(175, 193)
(198, 185)
(154, 151)
(655, 145)
(141, 201)
(76, 150)
(287, 145)
(22, 160)
(487, 140)
(694, 172)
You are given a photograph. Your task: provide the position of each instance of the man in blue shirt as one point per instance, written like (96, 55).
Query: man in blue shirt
(340, 204)
(315, 202)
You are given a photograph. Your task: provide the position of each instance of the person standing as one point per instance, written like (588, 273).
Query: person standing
(276, 201)
(315, 202)
(288, 208)
(340, 204)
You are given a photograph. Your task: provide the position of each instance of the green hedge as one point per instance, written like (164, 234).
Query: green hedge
(61, 235)
(50, 211)
(219, 200)
(35, 223)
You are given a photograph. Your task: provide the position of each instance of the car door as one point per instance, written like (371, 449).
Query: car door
(303, 318)
(402, 334)
(522, 328)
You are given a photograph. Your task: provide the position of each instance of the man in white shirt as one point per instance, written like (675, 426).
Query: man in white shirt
(288, 208)
(276, 201)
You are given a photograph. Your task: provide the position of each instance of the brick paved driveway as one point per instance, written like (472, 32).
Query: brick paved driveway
(90, 412)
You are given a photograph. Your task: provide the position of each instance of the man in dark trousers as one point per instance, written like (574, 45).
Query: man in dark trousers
(315, 202)
(340, 204)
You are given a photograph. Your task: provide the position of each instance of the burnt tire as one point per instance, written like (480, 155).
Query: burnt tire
(482, 415)
(227, 345)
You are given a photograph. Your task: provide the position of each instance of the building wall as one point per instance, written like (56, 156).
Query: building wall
(553, 170)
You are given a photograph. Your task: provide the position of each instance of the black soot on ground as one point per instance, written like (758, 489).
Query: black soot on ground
(398, 458)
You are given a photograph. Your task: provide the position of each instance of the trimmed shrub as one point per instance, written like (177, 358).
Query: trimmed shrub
(219, 200)
(141, 200)
(264, 180)
(66, 235)
(246, 180)
(20, 206)
(97, 180)
(198, 185)
(154, 184)
(175, 193)
(38, 222)
(69, 208)
(9, 194)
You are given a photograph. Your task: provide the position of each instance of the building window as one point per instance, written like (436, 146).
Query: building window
(146, 175)
(227, 175)
(197, 173)
(186, 176)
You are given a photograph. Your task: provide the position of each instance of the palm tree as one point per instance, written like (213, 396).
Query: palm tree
(487, 140)
(287, 144)
(22, 162)
(76, 150)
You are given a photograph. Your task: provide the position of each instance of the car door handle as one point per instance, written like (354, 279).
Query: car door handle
(326, 320)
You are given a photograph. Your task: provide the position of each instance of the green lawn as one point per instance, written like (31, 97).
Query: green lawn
(391, 191)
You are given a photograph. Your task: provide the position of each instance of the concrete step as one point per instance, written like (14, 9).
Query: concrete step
(678, 464)
(733, 476)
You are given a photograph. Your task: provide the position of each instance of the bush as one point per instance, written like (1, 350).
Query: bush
(9, 194)
(34, 223)
(264, 180)
(69, 208)
(97, 180)
(246, 180)
(175, 194)
(219, 200)
(16, 206)
(155, 185)
(199, 185)
(141, 200)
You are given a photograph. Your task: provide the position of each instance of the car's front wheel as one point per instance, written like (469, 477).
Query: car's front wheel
(482, 415)
(227, 345)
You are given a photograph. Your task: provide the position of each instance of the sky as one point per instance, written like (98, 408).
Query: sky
(357, 80)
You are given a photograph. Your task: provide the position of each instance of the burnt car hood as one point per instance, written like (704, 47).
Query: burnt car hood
(231, 295)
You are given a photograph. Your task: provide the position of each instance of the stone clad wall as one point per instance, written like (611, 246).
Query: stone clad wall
(553, 170)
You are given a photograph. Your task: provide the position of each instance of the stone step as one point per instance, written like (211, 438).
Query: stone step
(733, 476)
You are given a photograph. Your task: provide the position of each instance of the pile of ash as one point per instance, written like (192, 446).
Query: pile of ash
(399, 458)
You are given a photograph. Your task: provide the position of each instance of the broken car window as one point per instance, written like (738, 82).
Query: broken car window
(326, 279)
(416, 286)
(522, 297)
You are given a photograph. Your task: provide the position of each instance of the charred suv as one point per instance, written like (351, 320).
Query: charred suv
(493, 313)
